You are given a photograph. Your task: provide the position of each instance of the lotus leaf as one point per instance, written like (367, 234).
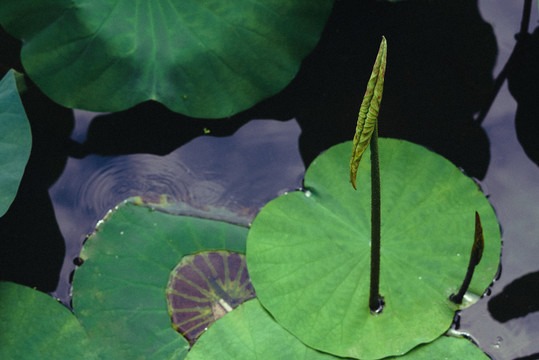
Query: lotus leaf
(202, 59)
(33, 325)
(308, 251)
(119, 290)
(249, 332)
(204, 287)
(15, 141)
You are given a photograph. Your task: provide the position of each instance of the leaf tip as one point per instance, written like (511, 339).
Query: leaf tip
(479, 240)
(353, 178)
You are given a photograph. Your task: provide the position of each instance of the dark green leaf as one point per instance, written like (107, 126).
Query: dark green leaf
(15, 141)
(203, 59)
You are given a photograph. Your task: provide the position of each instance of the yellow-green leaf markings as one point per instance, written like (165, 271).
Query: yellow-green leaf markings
(368, 112)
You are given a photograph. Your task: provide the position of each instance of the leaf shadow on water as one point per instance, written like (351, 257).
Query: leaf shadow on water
(438, 77)
(523, 80)
(517, 299)
(32, 247)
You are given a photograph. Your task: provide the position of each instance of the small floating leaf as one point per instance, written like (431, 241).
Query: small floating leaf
(368, 112)
(204, 287)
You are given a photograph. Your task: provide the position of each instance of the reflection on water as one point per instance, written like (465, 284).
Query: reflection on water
(240, 173)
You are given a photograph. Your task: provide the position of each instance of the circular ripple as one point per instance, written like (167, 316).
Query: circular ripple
(147, 176)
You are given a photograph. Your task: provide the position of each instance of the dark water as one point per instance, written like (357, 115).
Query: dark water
(506, 324)
(230, 172)
(443, 58)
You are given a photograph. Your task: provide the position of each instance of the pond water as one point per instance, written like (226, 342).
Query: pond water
(442, 62)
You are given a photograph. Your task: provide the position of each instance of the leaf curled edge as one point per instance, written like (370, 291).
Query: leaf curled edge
(368, 112)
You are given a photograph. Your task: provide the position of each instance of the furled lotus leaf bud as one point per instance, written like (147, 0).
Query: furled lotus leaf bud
(368, 112)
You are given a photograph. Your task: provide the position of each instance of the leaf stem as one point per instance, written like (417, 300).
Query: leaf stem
(375, 300)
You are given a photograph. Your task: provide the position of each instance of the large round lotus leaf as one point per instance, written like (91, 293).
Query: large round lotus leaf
(35, 326)
(201, 58)
(204, 287)
(308, 253)
(15, 140)
(249, 332)
(119, 290)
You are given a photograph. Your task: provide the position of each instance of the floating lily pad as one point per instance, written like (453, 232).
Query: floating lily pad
(204, 287)
(203, 59)
(308, 252)
(119, 290)
(35, 326)
(15, 141)
(249, 332)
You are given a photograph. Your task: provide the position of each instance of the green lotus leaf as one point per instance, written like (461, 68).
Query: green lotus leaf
(33, 325)
(119, 290)
(15, 141)
(249, 332)
(308, 252)
(203, 59)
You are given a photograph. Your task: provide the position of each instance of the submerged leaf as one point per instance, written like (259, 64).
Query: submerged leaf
(368, 112)
(204, 287)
